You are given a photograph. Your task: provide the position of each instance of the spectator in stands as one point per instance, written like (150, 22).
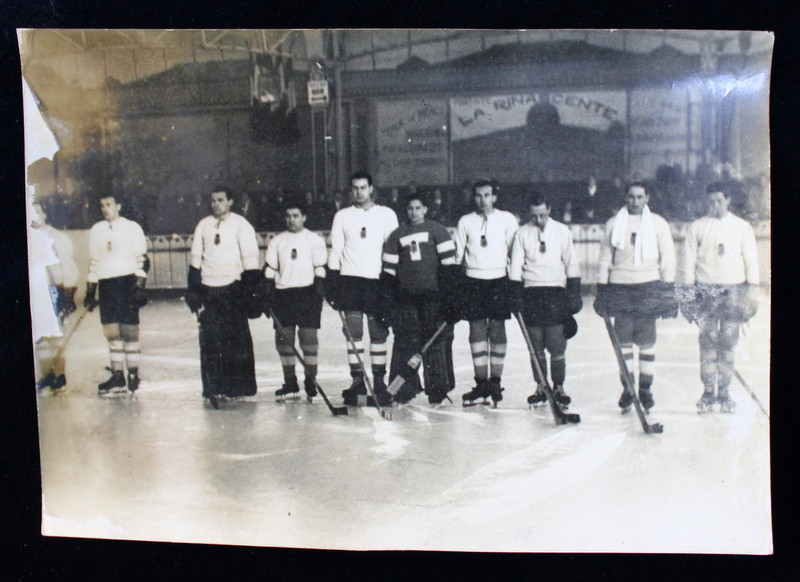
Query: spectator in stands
(592, 204)
(436, 210)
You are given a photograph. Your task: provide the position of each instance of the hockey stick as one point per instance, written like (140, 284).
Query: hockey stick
(559, 415)
(744, 383)
(67, 337)
(414, 362)
(335, 410)
(628, 381)
(384, 413)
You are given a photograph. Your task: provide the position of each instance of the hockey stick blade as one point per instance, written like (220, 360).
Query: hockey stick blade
(335, 410)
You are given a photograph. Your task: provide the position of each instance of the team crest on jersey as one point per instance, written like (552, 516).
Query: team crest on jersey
(413, 243)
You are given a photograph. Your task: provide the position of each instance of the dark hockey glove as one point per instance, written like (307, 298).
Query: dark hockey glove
(253, 293)
(449, 285)
(601, 300)
(269, 294)
(387, 298)
(687, 301)
(319, 287)
(515, 289)
(66, 301)
(332, 289)
(666, 302)
(574, 301)
(138, 297)
(194, 290)
(751, 304)
(90, 300)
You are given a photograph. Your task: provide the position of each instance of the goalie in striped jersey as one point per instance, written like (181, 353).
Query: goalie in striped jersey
(420, 274)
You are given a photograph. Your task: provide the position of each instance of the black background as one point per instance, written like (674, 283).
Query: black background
(26, 555)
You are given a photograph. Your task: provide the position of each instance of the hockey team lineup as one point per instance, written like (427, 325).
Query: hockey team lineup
(411, 279)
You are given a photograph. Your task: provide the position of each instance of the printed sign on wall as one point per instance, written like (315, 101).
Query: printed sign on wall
(411, 141)
(476, 116)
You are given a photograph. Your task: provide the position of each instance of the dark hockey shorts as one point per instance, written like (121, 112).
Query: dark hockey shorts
(359, 294)
(299, 306)
(646, 300)
(544, 306)
(115, 300)
(727, 302)
(485, 299)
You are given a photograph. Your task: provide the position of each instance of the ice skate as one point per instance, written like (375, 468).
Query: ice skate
(212, 399)
(625, 401)
(59, 383)
(356, 389)
(289, 391)
(46, 382)
(495, 391)
(133, 382)
(436, 397)
(562, 399)
(538, 399)
(116, 381)
(381, 392)
(480, 391)
(310, 385)
(706, 402)
(646, 398)
(726, 403)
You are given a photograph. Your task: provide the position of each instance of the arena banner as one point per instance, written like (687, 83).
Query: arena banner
(411, 141)
(480, 115)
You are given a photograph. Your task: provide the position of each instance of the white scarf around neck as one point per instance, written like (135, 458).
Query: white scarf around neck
(646, 245)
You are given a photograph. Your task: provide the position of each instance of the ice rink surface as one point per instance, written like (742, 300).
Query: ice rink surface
(165, 466)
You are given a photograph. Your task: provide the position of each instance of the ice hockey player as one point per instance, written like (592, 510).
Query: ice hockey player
(224, 289)
(64, 276)
(420, 273)
(357, 236)
(295, 273)
(636, 284)
(117, 255)
(545, 286)
(719, 291)
(483, 244)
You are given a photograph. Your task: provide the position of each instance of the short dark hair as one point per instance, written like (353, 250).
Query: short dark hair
(296, 203)
(719, 187)
(641, 185)
(536, 198)
(228, 193)
(361, 175)
(417, 196)
(481, 184)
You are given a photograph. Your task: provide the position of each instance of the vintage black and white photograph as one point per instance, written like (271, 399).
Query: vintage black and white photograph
(402, 289)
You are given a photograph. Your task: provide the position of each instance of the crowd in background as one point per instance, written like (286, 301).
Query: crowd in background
(675, 194)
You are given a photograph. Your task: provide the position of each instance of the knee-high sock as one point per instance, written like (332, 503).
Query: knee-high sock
(708, 368)
(558, 368)
(647, 366)
(627, 355)
(479, 347)
(310, 347)
(497, 347)
(132, 356)
(355, 325)
(283, 343)
(116, 349)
